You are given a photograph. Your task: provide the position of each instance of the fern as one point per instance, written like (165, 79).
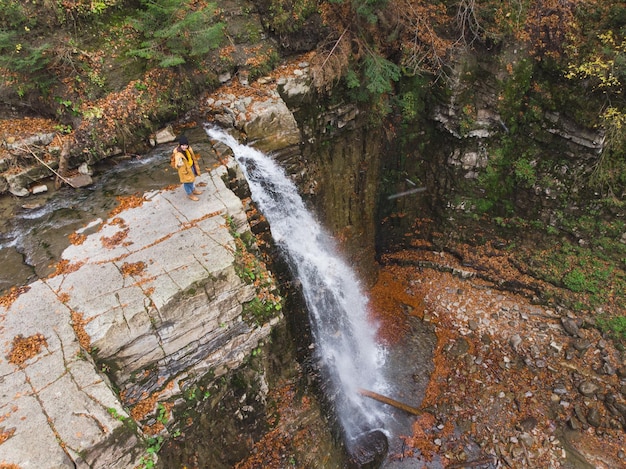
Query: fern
(379, 74)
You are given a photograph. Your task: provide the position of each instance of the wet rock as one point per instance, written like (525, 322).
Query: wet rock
(19, 191)
(369, 451)
(80, 180)
(588, 388)
(570, 326)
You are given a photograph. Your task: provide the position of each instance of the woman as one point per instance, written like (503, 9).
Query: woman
(188, 167)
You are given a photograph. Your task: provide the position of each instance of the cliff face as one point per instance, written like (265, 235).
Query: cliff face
(502, 140)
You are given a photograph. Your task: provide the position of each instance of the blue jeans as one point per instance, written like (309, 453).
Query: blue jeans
(188, 186)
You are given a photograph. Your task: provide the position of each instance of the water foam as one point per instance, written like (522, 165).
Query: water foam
(345, 338)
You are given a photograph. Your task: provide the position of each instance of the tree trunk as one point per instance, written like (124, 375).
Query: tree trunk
(64, 159)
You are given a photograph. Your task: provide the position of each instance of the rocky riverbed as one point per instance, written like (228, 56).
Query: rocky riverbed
(515, 383)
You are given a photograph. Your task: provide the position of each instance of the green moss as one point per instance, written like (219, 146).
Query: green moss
(260, 311)
(615, 327)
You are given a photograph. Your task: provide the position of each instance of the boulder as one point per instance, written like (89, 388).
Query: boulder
(165, 135)
(271, 126)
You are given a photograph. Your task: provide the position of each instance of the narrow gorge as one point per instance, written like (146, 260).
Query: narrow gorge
(479, 207)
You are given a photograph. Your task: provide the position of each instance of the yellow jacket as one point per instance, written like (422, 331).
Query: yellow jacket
(186, 161)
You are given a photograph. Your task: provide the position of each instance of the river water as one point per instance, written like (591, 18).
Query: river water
(34, 230)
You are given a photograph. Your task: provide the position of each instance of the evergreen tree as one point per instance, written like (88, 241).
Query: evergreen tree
(174, 34)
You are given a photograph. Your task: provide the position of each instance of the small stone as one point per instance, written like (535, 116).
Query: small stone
(85, 169)
(581, 344)
(587, 388)
(527, 439)
(39, 189)
(19, 191)
(574, 424)
(607, 369)
(515, 341)
(620, 407)
(594, 418)
(528, 424)
(580, 414)
(80, 180)
(570, 326)
(556, 347)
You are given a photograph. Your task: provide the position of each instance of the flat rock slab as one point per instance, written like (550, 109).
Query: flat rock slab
(56, 409)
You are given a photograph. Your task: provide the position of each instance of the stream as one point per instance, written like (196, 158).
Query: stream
(34, 230)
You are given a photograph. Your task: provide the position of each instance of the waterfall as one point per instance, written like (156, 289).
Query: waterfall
(344, 336)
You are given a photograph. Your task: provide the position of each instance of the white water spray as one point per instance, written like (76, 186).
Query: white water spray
(343, 334)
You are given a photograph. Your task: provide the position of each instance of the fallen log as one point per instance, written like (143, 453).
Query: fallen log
(49, 167)
(390, 401)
